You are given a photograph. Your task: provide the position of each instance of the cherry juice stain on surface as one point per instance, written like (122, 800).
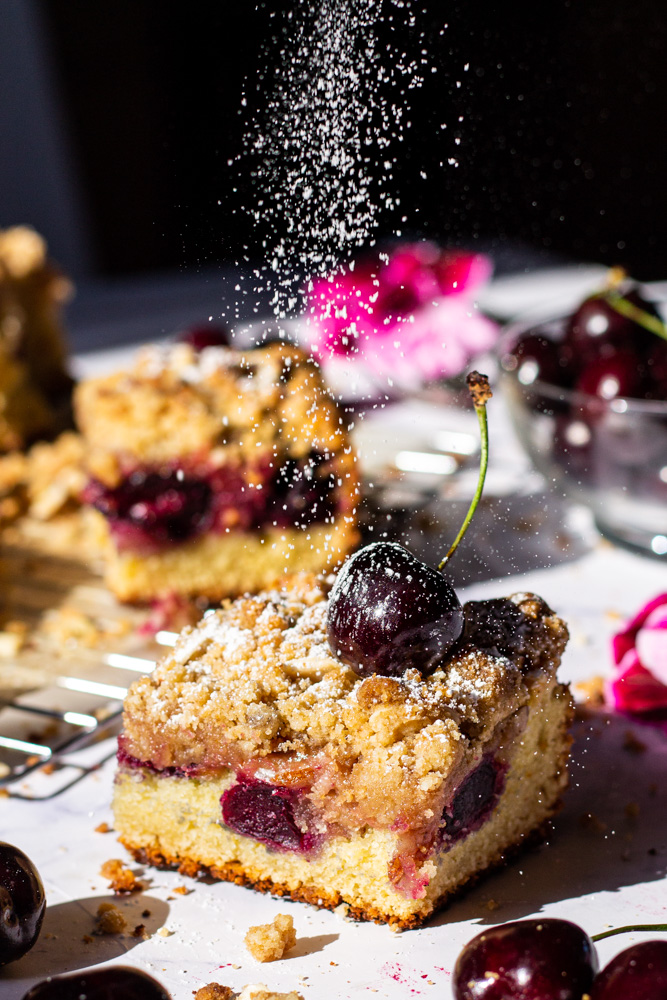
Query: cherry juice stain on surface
(394, 971)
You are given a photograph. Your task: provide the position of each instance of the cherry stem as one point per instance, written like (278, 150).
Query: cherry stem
(478, 386)
(628, 309)
(631, 927)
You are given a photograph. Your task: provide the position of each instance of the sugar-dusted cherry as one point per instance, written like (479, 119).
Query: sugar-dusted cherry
(22, 903)
(116, 982)
(546, 959)
(638, 973)
(389, 611)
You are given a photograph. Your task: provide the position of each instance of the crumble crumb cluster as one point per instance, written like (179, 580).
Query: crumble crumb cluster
(121, 879)
(109, 919)
(258, 991)
(269, 942)
(214, 991)
(40, 497)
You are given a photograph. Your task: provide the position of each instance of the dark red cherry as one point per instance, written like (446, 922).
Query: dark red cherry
(597, 328)
(266, 813)
(535, 357)
(496, 625)
(526, 960)
(388, 611)
(117, 982)
(474, 801)
(201, 337)
(303, 492)
(638, 973)
(608, 376)
(655, 383)
(22, 903)
(166, 506)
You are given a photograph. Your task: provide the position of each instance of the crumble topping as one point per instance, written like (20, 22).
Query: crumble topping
(256, 685)
(220, 403)
(269, 942)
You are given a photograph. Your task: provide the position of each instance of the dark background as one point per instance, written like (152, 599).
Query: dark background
(562, 149)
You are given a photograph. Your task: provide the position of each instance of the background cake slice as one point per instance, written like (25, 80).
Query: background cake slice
(254, 754)
(213, 472)
(34, 384)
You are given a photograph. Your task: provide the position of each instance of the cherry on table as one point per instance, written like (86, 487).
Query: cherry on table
(114, 983)
(22, 903)
(609, 376)
(535, 357)
(598, 328)
(546, 959)
(389, 611)
(638, 973)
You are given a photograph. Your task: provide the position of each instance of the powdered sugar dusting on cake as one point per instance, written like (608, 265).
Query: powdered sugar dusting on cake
(259, 675)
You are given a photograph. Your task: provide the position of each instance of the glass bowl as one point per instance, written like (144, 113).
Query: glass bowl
(609, 454)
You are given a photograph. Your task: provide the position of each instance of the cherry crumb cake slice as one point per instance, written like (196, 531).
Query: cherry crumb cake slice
(214, 472)
(254, 754)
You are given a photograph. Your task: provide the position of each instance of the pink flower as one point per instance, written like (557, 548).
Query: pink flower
(640, 653)
(408, 315)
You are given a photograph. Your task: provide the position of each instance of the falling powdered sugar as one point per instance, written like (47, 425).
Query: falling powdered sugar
(336, 108)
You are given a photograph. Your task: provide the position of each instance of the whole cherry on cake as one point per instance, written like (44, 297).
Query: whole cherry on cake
(388, 611)
(22, 903)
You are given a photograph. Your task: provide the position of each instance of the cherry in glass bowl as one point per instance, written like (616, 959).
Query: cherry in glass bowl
(595, 425)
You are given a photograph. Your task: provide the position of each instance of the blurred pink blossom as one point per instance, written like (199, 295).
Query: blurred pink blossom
(408, 315)
(640, 653)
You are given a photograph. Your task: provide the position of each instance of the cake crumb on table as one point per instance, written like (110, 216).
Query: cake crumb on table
(109, 919)
(103, 828)
(121, 879)
(258, 991)
(269, 942)
(214, 991)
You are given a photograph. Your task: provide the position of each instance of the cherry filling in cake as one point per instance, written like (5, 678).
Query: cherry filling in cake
(287, 817)
(474, 801)
(273, 815)
(154, 508)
